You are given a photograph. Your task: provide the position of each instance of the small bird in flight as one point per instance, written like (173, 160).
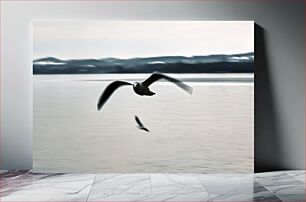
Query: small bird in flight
(140, 125)
(140, 88)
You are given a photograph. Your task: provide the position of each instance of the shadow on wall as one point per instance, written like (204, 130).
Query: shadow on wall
(268, 153)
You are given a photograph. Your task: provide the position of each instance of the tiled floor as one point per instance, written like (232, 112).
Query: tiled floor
(273, 186)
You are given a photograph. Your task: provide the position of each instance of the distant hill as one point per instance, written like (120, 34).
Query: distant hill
(238, 63)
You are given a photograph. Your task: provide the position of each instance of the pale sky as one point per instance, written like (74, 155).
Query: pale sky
(128, 39)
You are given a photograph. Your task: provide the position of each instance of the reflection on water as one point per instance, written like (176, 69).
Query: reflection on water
(210, 131)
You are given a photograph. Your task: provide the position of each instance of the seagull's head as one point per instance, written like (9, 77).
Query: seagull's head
(136, 85)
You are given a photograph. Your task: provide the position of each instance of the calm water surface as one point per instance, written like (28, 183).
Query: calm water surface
(207, 132)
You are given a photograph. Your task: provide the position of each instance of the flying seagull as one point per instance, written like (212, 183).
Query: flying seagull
(140, 88)
(140, 125)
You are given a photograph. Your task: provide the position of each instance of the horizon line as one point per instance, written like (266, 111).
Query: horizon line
(139, 57)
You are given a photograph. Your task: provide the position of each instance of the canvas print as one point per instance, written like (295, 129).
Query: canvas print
(143, 96)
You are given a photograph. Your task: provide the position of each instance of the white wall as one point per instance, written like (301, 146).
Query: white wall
(280, 74)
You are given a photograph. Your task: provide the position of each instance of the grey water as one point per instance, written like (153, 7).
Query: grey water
(210, 131)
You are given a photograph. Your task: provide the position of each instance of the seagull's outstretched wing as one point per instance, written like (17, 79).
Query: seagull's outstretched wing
(109, 91)
(156, 76)
(138, 121)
